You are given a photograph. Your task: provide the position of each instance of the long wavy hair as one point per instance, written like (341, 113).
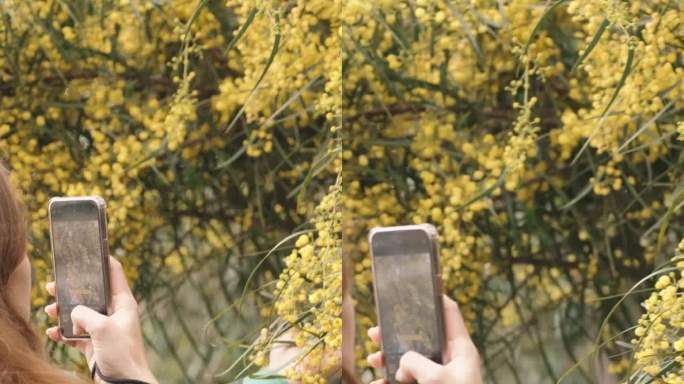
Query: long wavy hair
(22, 356)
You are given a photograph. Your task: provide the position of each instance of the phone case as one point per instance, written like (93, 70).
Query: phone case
(392, 363)
(102, 222)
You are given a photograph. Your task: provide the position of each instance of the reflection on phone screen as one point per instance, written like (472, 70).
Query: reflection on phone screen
(78, 260)
(407, 303)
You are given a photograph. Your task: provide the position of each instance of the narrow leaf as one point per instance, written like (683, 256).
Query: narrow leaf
(271, 58)
(625, 73)
(243, 29)
(541, 20)
(585, 191)
(594, 41)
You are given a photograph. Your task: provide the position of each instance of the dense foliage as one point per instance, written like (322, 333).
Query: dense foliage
(543, 139)
(210, 129)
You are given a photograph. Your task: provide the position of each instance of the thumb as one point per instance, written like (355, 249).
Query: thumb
(122, 297)
(414, 366)
(88, 319)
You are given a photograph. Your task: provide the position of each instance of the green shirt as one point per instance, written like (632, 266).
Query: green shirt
(249, 380)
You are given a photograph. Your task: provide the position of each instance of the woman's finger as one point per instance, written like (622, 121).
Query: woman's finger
(414, 366)
(459, 342)
(376, 360)
(92, 322)
(374, 334)
(53, 334)
(52, 310)
(381, 381)
(454, 324)
(50, 287)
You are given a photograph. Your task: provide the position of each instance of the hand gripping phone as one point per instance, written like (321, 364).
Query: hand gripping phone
(408, 293)
(80, 255)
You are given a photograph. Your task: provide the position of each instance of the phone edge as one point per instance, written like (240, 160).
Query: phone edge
(104, 245)
(431, 231)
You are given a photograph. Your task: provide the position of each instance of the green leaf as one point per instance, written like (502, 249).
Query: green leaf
(647, 124)
(625, 73)
(677, 203)
(234, 157)
(295, 96)
(585, 191)
(664, 269)
(193, 17)
(472, 39)
(271, 58)
(263, 259)
(541, 20)
(317, 167)
(594, 41)
(487, 191)
(243, 29)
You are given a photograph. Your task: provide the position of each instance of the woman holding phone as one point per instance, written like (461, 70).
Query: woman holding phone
(116, 343)
(462, 365)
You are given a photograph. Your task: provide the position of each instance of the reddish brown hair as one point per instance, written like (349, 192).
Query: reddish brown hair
(22, 360)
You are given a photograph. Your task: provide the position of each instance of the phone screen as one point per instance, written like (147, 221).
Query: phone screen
(78, 257)
(407, 295)
(403, 275)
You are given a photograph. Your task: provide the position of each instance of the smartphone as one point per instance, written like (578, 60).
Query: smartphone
(408, 293)
(80, 256)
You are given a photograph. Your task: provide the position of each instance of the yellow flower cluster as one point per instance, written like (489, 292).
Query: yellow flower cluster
(521, 144)
(72, 131)
(653, 85)
(659, 344)
(290, 60)
(308, 294)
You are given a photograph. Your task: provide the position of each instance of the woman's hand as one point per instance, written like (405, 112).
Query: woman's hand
(462, 365)
(116, 342)
(284, 354)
